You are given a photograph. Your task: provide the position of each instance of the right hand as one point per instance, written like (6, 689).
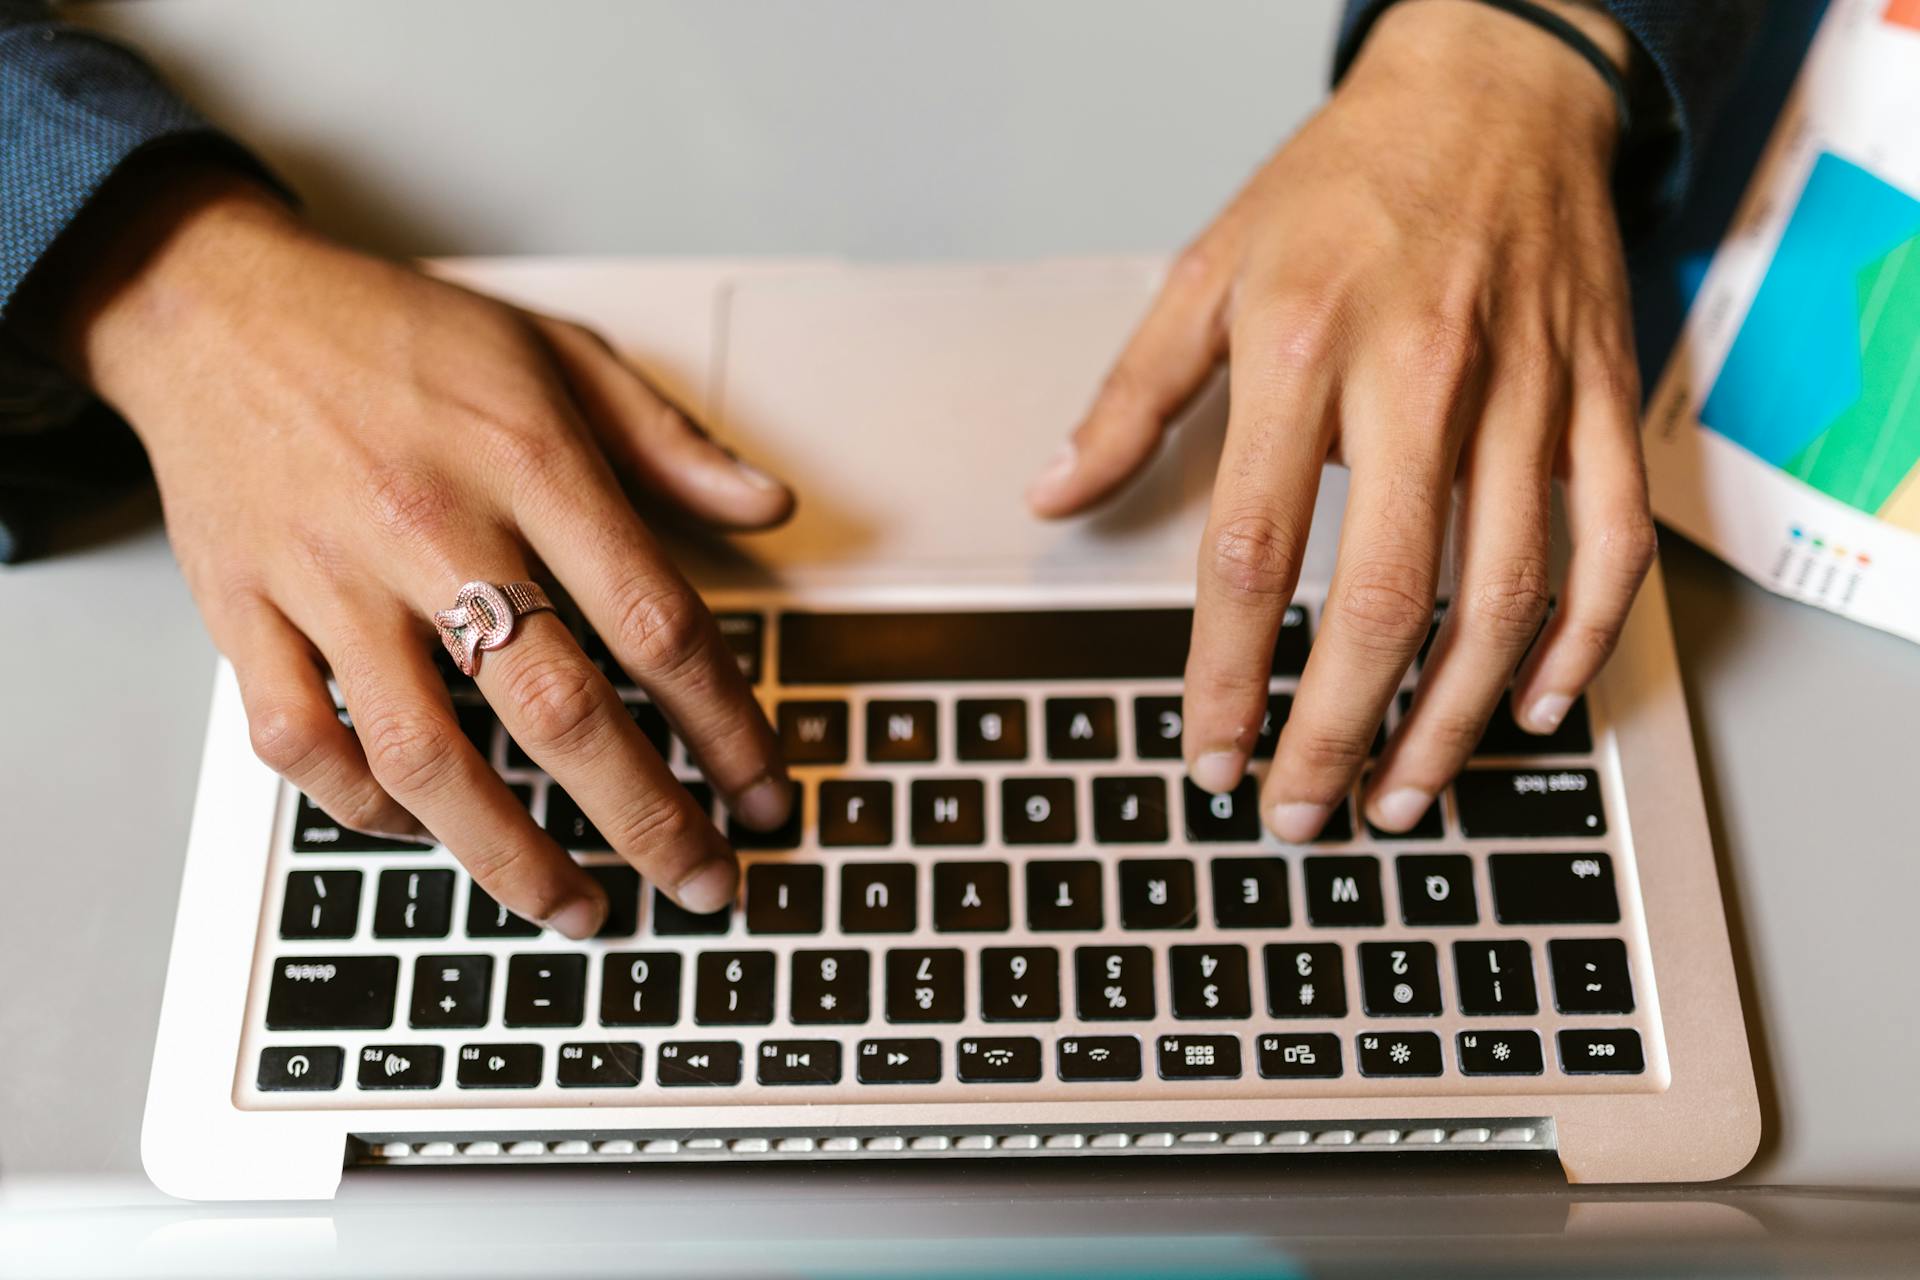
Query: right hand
(340, 443)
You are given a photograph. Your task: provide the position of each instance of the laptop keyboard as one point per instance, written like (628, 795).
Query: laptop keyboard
(998, 885)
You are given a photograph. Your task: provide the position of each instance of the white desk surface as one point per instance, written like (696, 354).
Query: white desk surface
(1009, 130)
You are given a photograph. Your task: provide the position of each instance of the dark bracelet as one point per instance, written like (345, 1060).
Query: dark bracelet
(1569, 34)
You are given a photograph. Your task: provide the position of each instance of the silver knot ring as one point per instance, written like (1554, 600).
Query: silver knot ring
(482, 617)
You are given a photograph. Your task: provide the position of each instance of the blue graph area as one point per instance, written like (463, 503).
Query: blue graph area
(1796, 364)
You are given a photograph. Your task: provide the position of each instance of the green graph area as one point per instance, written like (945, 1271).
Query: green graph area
(1864, 454)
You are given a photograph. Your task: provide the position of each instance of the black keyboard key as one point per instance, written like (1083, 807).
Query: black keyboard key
(1499, 1053)
(652, 723)
(1113, 984)
(786, 897)
(1279, 707)
(1495, 977)
(898, 1062)
(546, 990)
(798, 1062)
(784, 836)
(813, 732)
(499, 1066)
(1020, 984)
(1209, 981)
(1081, 729)
(1344, 891)
(451, 991)
(327, 993)
(1157, 893)
(621, 884)
(1199, 1057)
(1553, 888)
(671, 920)
(971, 897)
(1296, 1056)
(570, 827)
(1250, 893)
(301, 1068)
(640, 989)
(321, 904)
(830, 987)
(991, 728)
(926, 986)
(486, 918)
(1098, 1059)
(401, 1066)
(1305, 980)
(744, 634)
(902, 730)
(414, 904)
(1130, 810)
(1157, 726)
(733, 988)
(1037, 811)
(315, 832)
(921, 647)
(598, 1066)
(1436, 888)
(1508, 803)
(1590, 975)
(1602, 1053)
(856, 814)
(1296, 639)
(1400, 1053)
(1505, 737)
(699, 1064)
(997, 1060)
(878, 898)
(1064, 895)
(949, 811)
(477, 723)
(1339, 825)
(1399, 979)
(1231, 816)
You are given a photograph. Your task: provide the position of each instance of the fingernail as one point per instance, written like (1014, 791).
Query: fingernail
(766, 804)
(709, 888)
(756, 477)
(1298, 821)
(579, 919)
(1400, 808)
(1218, 771)
(1547, 711)
(1057, 472)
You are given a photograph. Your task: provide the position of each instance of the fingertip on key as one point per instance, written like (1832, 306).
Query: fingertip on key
(710, 888)
(1546, 712)
(579, 919)
(1298, 821)
(1218, 771)
(1047, 491)
(767, 803)
(1399, 809)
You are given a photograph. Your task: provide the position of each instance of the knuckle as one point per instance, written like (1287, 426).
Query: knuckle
(663, 836)
(557, 702)
(517, 880)
(1510, 603)
(1453, 733)
(526, 448)
(1441, 350)
(1298, 335)
(408, 503)
(1330, 753)
(663, 628)
(287, 736)
(409, 751)
(1255, 555)
(1593, 639)
(1387, 600)
(1629, 544)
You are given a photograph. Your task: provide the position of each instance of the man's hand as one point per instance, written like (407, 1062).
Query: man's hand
(341, 443)
(1426, 283)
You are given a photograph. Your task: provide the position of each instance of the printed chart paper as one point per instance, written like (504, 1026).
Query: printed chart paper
(1785, 434)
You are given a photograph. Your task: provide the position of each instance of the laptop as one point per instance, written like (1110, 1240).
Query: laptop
(1002, 925)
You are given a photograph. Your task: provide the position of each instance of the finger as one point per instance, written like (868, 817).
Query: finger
(1500, 545)
(652, 441)
(1162, 366)
(295, 729)
(414, 745)
(659, 631)
(1380, 602)
(1278, 426)
(1613, 546)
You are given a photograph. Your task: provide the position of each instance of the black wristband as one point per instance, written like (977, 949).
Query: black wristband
(1555, 25)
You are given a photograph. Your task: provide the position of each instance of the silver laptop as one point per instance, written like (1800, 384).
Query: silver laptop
(1002, 924)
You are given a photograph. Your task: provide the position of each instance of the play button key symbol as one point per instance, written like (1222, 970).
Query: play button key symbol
(599, 1066)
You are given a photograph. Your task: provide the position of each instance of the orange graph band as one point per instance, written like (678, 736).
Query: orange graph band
(1904, 13)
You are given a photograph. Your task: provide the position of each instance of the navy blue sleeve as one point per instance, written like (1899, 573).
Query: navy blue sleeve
(1694, 49)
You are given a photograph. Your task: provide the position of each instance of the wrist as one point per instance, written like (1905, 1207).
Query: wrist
(1502, 67)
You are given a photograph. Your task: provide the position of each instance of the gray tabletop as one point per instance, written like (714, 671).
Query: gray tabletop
(1008, 130)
